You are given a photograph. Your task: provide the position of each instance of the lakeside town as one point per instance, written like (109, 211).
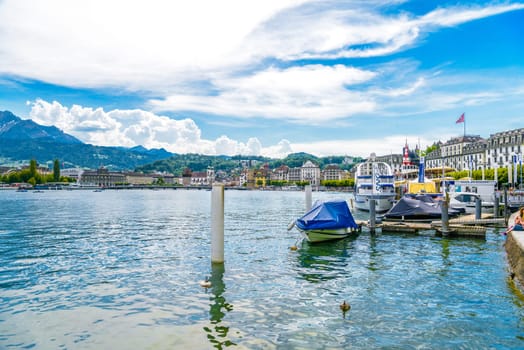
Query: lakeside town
(499, 158)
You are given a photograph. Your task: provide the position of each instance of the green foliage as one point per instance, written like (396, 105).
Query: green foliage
(32, 167)
(429, 149)
(82, 155)
(489, 174)
(278, 183)
(56, 170)
(234, 165)
(338, 183)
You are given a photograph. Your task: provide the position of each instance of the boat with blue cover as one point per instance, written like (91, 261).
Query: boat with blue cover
(327, 220)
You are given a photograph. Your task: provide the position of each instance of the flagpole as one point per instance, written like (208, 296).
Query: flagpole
(464, 126)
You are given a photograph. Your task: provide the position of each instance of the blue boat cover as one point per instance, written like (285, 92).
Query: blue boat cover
(330, 214)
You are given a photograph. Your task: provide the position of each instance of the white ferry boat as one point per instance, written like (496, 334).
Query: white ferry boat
(374, 181)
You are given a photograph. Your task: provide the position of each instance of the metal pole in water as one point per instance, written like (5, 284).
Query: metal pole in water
(445, 216)
(478, 208)
(217, 223)
(372, 217)
(307, 189)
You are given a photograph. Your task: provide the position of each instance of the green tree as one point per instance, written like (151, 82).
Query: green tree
(32, 168)
(56, 171)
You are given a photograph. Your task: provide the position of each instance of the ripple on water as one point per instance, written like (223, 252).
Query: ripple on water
(120, 269)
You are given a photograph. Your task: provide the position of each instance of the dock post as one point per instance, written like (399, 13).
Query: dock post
(372, 216)
(307, 189)
(506, 211)
(496, 205)
(217, 223)
(445, 216)
(478, 208)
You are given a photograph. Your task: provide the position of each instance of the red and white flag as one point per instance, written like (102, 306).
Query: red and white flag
(461, 119)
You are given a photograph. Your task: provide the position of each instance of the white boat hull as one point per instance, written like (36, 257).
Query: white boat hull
(326, 234)
(382, 203)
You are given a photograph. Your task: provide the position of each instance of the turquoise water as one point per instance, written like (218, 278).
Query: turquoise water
(121, 270)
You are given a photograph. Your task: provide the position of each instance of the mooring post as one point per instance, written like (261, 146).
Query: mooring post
(372, 216)
(506, 211)
(309, 200)
(496, 205)
(478, 208)
(445, 216)
(217, 223)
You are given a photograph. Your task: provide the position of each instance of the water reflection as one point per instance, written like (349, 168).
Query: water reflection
(324, 260)
(217, 333)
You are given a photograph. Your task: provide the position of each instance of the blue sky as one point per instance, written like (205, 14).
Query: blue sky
(264, 77)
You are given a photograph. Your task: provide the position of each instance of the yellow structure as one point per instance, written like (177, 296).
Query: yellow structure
(422, 187)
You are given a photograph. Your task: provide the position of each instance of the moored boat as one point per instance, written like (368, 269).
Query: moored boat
(418, 208)
(374, 181)
(327, 220)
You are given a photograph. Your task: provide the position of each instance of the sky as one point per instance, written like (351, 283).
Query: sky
(268, 77)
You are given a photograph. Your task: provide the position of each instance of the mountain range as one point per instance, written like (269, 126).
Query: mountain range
(23, 139)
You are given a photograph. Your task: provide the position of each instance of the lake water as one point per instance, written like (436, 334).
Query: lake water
(121, 270)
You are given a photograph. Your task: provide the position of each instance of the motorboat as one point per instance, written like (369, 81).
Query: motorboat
(326, 220)
(418, 208)
(374, 181)
(467, 201)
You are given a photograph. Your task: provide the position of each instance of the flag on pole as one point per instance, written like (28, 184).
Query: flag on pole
(461, 119)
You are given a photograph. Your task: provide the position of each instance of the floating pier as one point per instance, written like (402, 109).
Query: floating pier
(465, 225)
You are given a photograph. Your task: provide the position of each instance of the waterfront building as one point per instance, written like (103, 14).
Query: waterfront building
(295, 175)
(502, 146)
(102, 177)
(475, 155)
(332, 172)
(200, 178)
(310, 172)
(261, 176)
(242, 178)
(186, 177)
(139, 179)
(280, 174)
(452, 151)
(73, 173)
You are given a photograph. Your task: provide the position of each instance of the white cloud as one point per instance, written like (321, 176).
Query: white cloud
(130, 128)
(364, 147)
(304, 94)
(234, 58)
(167, 46)
(130, 44)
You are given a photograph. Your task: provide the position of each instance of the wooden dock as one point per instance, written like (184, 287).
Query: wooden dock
(465, 225)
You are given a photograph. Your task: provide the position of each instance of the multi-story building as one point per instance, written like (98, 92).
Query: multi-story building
(502, 146)
(332, 172)
(310, 172)
(452, 151)
(199, 178)
(139, 179)
(280, 174)
(294, 175)
(102, 177)
(475, 155)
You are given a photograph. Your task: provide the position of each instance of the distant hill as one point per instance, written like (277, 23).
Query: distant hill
(23, 140)
(233, 164)
(15, 128)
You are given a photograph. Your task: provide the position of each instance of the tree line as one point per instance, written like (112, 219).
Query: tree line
(31, 175)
